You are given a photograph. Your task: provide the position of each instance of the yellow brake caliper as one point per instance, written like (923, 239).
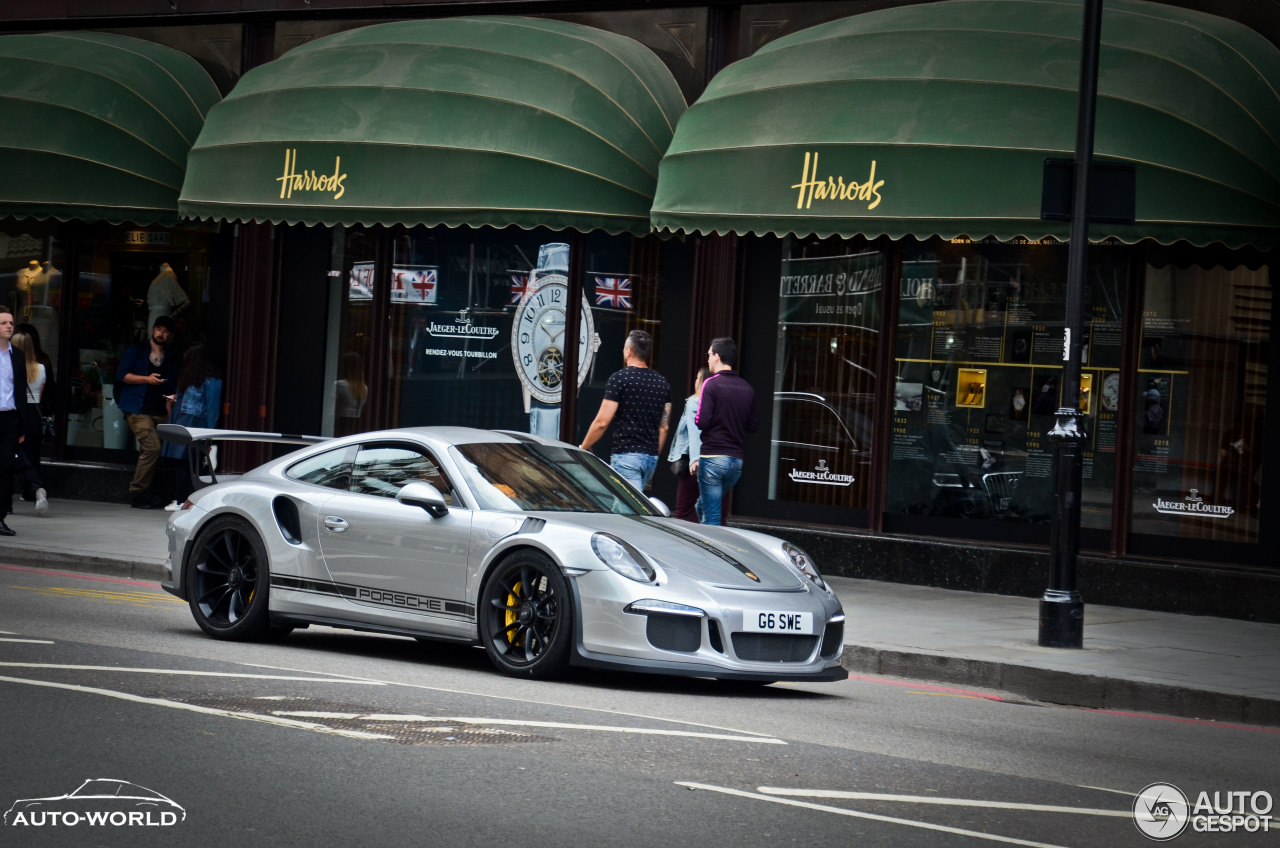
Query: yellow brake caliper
(513, 600)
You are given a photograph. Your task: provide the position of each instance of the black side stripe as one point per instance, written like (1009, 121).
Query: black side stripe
(377, 597)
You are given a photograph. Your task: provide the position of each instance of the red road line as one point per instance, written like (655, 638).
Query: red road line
(149, 584)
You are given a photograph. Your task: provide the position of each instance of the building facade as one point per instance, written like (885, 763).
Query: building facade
(371, 235)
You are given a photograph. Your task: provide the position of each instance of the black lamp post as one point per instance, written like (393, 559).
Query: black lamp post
(1061, 607)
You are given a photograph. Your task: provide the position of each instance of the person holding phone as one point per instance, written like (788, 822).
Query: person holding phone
(145, 377)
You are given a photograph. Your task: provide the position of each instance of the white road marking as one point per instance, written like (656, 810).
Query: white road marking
(870, 816)
(726, 737)
(554, 725)
(28, 641)
(313, 714)
(177, 705)
(190, 673)
(1116, 791)
(949, 802)
(736, 733)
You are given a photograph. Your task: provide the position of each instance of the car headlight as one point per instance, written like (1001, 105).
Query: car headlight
(805, 565)
(622, 558)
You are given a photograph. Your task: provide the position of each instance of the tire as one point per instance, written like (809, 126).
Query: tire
(526, 616)
(228, 582)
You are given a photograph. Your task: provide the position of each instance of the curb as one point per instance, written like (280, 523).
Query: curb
(151, 572)
(1063, 687)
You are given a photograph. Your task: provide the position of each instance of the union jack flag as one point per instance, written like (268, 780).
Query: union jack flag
(614, 292)
(519, 285)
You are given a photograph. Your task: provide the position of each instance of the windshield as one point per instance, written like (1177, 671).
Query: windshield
(532, 477)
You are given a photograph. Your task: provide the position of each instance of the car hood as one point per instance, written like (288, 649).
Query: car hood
(715, 555)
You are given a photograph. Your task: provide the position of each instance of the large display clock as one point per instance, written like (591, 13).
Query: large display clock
(538, 337)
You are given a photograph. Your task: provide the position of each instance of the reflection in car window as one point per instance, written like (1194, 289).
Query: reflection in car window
(381, 469)
(805, 422)
(331, 469)
(531, 477)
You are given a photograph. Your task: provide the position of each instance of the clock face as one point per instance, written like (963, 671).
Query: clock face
(538, 337)
(1111, 392)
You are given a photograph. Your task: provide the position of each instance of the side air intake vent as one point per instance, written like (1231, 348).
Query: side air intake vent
(286, 512)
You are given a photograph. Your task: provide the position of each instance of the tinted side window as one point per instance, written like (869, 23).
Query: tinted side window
(383, 469)
(331, 469)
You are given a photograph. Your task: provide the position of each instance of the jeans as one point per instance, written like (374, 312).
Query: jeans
(635, 468)
(716, 476)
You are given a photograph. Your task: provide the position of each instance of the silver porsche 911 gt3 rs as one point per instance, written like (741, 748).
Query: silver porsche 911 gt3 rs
(535, 549)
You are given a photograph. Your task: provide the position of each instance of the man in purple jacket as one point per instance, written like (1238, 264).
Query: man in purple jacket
(726, 414)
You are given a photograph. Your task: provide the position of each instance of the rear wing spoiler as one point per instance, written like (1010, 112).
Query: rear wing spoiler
(200, 441)
(180, 435)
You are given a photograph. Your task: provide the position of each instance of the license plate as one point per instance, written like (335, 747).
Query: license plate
(772, 621)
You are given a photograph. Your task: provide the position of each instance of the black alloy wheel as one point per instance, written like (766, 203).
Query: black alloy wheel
(228, 581)
(526, 616)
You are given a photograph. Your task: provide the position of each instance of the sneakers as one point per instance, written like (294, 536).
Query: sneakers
(42, 502)
(173, 506)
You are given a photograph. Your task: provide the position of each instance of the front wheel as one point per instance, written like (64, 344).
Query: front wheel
(526, 616)
(228, 581)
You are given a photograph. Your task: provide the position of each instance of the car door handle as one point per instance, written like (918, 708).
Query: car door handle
(334, 524)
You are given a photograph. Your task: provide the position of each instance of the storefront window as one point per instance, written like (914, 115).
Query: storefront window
(127, 278)
(31, 285)
(1201, 403)
(349, 385)
(476, 329)
(978, 373)
(828, 335)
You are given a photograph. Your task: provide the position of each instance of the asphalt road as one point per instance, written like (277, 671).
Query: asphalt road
(338, 738)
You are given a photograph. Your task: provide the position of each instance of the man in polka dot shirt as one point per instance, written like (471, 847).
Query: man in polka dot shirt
(637, 401)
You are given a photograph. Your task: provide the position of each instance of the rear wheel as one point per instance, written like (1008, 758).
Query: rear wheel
(228, 582)
(526, 616)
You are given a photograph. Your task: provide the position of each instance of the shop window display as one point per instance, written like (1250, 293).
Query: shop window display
(1201, 394)
(978, 380)
(31, 284)
(828, 330)
(477, 325)
(126, 279)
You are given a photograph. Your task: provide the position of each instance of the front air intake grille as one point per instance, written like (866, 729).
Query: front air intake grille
(713, 635)
(773, 647)
(832, 638)
(674, 632)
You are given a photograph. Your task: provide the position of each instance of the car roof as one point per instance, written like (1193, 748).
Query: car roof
(445, 436)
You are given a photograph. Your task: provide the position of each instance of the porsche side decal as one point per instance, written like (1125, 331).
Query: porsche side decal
(377, 597)
(694, 540)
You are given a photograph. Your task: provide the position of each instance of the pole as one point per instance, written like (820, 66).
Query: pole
(1061, 607)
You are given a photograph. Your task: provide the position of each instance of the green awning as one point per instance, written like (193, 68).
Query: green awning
(96, 127)
(936, 119)
(480, 121)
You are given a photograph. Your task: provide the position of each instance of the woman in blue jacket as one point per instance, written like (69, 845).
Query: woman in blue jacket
(196, 403)
(687, 443)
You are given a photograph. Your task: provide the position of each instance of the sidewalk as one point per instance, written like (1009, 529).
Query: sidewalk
(1189, 666)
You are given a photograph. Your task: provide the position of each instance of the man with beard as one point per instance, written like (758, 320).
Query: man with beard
(145, 378)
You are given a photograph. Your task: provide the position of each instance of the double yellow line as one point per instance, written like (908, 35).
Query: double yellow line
(140, 599)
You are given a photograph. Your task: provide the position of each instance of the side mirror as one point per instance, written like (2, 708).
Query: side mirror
(660, 507)
(424, 495)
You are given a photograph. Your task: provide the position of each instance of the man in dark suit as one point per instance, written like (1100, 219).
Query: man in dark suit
(15, 409)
